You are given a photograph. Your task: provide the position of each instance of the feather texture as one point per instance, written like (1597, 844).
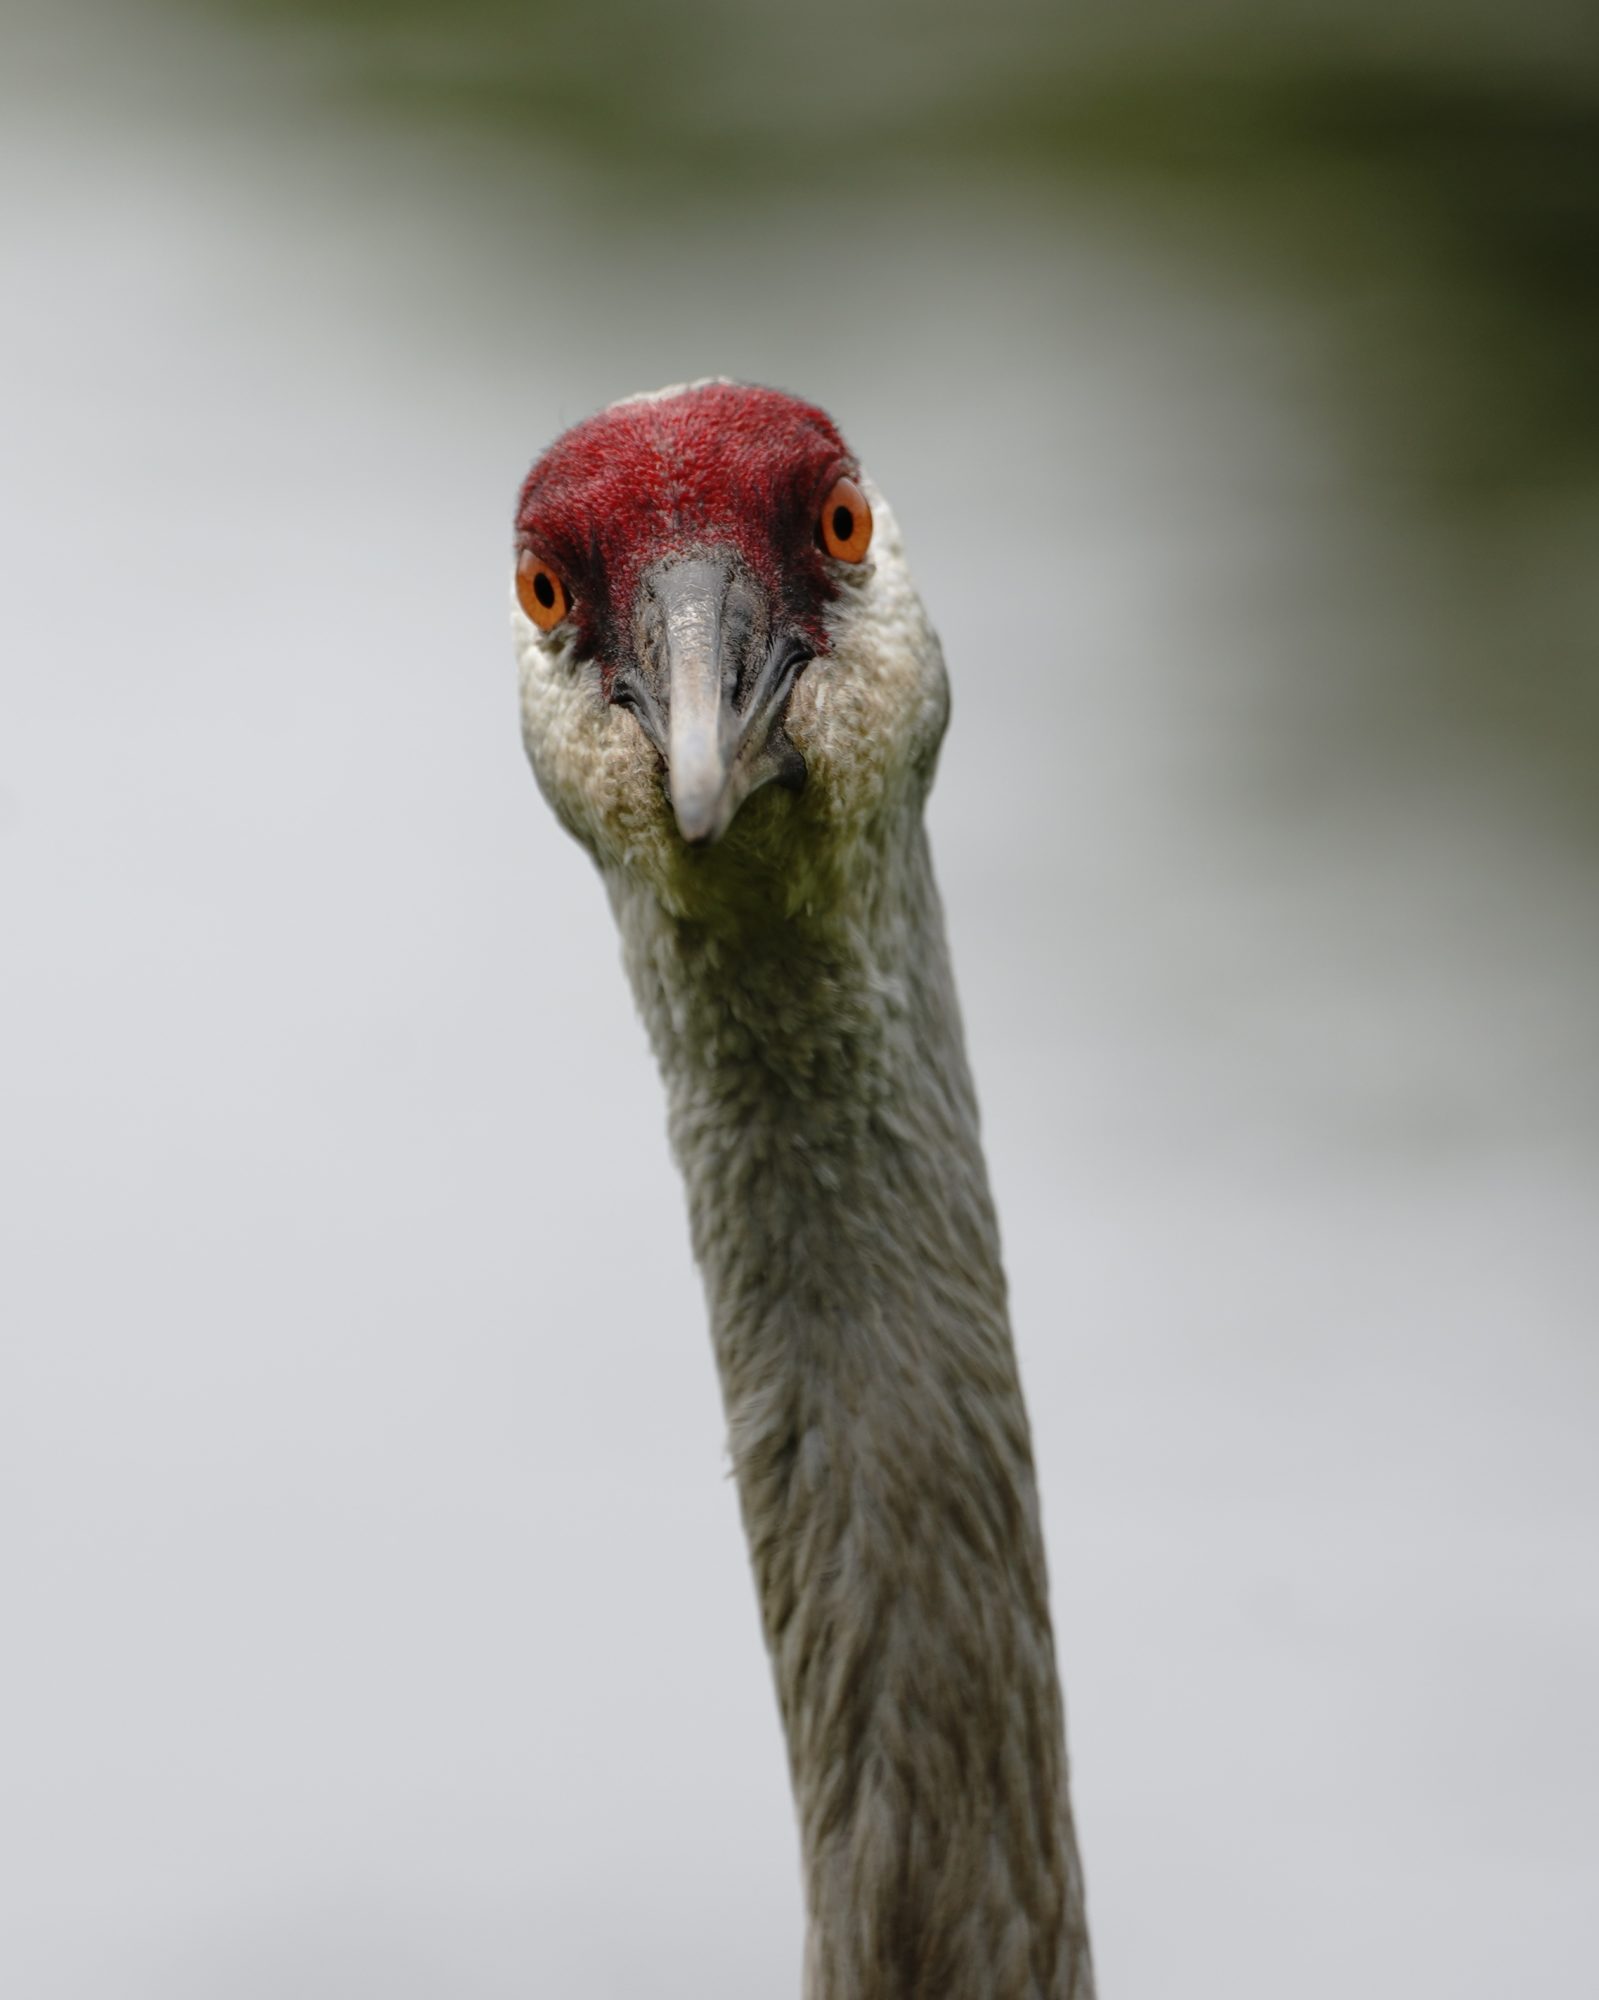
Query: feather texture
(796, 986)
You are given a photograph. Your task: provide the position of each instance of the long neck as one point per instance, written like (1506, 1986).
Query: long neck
(823, 1115)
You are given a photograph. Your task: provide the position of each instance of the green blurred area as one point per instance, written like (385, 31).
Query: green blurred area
(1420, 184)
(1437, 168)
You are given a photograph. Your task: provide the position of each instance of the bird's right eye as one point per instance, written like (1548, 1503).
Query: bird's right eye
(540, 592)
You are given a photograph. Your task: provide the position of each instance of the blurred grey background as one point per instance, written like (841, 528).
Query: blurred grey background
(376, 1618)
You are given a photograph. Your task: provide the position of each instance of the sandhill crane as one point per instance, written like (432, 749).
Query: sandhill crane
(732, 697)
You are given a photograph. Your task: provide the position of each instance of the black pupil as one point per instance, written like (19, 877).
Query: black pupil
(544, 589)
(843, 524)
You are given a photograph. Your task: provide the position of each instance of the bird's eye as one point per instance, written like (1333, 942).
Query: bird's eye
(540, 592)
(846, 523)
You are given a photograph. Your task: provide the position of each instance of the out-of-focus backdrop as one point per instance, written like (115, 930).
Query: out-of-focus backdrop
(376, 1618)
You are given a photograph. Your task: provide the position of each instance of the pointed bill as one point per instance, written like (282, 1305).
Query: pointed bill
(702, 729)
(711, 686)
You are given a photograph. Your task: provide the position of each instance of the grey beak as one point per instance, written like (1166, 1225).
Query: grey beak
(701, 725)
(710, 686)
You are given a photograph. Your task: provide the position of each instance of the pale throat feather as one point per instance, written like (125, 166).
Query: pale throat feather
(823, 1117)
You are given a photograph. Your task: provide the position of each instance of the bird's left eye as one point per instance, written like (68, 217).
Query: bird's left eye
(845, 526)
(540, 592)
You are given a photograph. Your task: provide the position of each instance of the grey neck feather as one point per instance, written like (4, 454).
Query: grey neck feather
(823, 1115)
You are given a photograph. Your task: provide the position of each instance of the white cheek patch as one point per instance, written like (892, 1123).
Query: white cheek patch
(591, 759)
(869, 714)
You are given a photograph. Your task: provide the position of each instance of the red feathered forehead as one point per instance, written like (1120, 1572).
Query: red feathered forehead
(717, 465)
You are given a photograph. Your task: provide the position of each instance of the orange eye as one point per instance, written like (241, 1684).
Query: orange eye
(846, 523)
(540, 592)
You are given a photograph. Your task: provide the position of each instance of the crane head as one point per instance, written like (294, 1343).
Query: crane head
(719, 643)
